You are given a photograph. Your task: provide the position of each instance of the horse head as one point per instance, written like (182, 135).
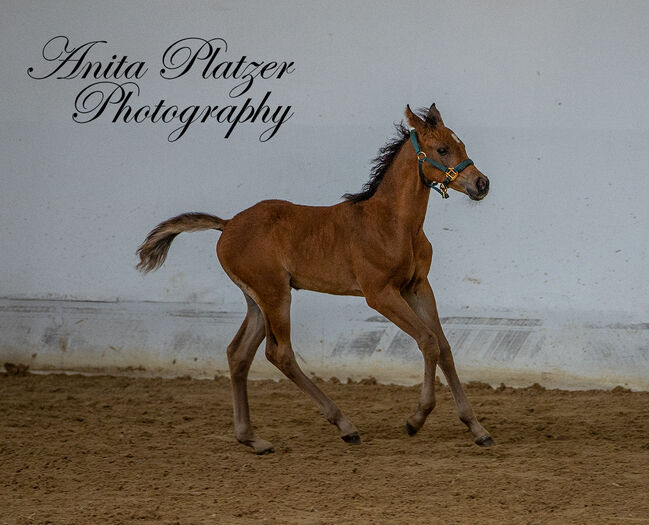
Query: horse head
(443, 162)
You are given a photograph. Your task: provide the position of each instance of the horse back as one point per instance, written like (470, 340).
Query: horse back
(310, 246)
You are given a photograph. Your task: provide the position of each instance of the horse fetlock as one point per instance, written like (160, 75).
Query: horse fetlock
(248, 438)
(243, 432)
(427, 407)
(345, 426)
(416, 421)
(475, 427)
(334, 416)
(467, 420)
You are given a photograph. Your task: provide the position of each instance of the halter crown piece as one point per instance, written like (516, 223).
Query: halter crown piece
(451, 173)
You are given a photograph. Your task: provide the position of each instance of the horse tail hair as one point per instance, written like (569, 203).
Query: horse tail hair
(153, 251)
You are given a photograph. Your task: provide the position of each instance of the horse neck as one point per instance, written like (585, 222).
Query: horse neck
(401, 193)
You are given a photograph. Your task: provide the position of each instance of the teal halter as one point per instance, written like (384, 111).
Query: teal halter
(451, 173)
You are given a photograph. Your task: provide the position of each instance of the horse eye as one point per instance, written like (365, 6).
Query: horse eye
(442, 151)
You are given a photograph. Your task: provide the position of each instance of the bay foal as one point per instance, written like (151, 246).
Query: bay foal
(372, 244)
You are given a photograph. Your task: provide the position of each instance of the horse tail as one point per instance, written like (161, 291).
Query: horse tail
(153, 251)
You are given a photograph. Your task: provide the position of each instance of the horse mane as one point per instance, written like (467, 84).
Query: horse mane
(381, 163)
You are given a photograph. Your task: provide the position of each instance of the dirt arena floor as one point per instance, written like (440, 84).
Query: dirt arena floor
(76, 449)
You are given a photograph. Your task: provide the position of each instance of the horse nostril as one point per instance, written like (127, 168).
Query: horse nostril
(482, 184)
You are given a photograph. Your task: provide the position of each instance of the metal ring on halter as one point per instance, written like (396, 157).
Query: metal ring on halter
(421, 155)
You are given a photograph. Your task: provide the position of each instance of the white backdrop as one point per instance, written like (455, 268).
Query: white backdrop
(550, 98)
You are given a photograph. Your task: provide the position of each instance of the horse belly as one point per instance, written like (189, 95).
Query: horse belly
(325, 275)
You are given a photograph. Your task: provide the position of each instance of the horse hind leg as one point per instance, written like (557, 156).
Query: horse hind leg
(241, 352)
(276, 309)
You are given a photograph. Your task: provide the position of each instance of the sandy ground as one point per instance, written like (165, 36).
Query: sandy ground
(77, 449)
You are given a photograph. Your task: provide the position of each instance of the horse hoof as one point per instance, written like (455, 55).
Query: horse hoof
(410, 429)
(484, 441)
(352, 438)
(258, 446)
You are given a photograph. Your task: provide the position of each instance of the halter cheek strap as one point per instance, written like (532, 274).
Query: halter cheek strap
(451, 173)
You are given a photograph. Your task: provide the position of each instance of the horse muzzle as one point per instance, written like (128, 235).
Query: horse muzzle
(480, 189)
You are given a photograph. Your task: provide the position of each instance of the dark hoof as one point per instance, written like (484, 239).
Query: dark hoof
(265, 451)
(410, 429)
(484, 441)
(352, 438)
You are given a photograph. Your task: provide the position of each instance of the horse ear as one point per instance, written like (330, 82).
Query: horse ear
(414, 121)
(433, 117)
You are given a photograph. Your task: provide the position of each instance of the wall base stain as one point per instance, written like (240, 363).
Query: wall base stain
(171, 339)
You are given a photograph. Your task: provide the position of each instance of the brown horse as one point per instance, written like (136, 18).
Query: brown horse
(372, 244)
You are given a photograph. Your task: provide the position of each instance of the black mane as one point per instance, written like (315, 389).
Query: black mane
(380, 165)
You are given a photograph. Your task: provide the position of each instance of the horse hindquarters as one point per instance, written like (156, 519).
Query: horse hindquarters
(254, 262)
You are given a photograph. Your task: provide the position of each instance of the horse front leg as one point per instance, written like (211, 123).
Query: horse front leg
(392, 305)
(422, 301)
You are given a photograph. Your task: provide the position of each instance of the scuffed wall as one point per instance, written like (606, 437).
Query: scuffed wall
(549, 98)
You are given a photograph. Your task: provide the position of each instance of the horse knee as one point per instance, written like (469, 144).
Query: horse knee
(429, 346)
(446, 356)
(238, 367)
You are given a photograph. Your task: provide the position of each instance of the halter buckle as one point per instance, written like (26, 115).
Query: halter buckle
(451, 174)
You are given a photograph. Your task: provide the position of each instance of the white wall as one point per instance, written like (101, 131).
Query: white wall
(550, 98)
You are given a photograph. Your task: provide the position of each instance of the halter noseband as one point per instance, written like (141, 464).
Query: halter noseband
(451, 173)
